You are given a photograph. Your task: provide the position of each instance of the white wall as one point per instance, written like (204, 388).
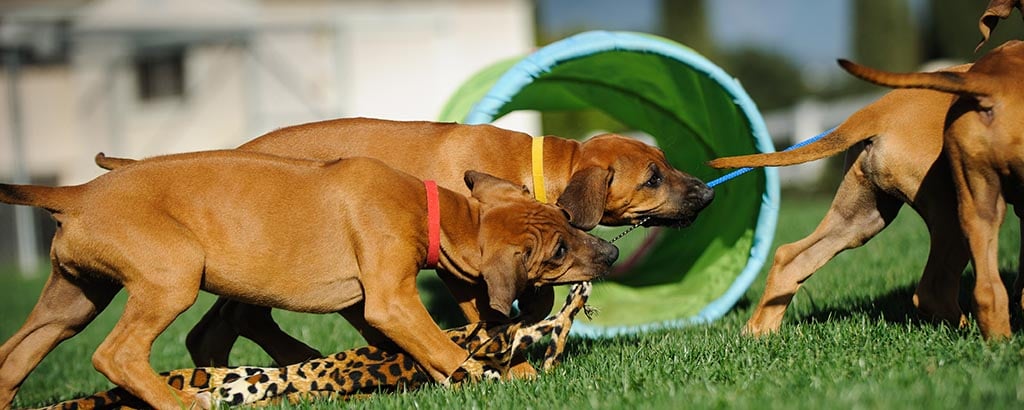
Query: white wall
(300, 61)
(48, 121)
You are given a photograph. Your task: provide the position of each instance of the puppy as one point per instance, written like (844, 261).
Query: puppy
(893, 157)
(983, 141)
(347, 236)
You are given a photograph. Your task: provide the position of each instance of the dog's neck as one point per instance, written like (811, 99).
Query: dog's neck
(561, 158)
(460, 227)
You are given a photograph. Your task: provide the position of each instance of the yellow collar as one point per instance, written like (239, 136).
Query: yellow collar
(538, 170)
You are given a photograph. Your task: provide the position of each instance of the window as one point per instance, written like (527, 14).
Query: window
(37, 43)
(160, 73)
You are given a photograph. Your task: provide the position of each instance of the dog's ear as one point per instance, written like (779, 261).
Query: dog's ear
(585, 195)
(505, 275)
(996, 10)
(481, 184)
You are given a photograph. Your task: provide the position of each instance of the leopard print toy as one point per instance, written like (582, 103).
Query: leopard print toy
(360, 371)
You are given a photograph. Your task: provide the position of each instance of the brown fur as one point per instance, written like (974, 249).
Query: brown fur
(601, 180)
(347, 236)
(893, 157)
(996, 10)
(982, 138)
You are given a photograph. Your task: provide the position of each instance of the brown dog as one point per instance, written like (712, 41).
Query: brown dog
(983, 140)
(894, 158)
(610, 179)
(893, 149)
(347, 236)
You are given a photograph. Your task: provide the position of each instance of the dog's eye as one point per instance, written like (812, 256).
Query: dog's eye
(560, 251)
(654, 181)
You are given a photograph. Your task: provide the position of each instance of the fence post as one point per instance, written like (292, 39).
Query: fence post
(24, 224)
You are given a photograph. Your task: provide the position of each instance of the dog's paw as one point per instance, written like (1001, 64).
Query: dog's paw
(474, 368)
(522, 370)
(963, 323)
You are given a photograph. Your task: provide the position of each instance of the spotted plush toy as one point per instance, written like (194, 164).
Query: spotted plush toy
(360, 371)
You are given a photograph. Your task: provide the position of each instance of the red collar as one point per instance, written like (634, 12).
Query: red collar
(433, 224)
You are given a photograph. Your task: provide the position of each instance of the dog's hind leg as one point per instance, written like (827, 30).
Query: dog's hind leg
(124, 355)
(162, 278)
(982, 209)
(210, 340)
(65, 307)
(256, 323)
(858, 212)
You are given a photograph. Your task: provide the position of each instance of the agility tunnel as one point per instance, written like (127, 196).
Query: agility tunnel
(695, 112)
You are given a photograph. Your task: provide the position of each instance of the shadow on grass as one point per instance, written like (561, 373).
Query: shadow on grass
(897, 305)
(894, 307)
(581, 347)
(745, 303)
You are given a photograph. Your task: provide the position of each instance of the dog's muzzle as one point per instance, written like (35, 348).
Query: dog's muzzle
(607, 253)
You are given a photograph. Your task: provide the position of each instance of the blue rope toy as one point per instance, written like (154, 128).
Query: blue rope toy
(732, 175)
(742, 171)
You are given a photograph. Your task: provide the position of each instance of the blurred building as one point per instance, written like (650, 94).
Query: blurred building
(147, 77)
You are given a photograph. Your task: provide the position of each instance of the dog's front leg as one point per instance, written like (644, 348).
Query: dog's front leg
(472, 300)
(394, 308)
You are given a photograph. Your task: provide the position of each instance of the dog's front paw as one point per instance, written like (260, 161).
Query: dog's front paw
(522, 370)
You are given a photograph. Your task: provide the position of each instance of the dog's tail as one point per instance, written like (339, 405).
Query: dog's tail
(53, 199)
(961, 83)
(111, 163)
(835, 142)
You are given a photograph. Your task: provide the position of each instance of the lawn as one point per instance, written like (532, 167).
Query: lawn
(850, 340)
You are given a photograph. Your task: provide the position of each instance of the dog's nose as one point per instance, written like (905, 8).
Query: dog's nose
(709, 195)
(609, 254)
(701, 195)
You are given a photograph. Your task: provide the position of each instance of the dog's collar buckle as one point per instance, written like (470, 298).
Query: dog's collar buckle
(433, 224)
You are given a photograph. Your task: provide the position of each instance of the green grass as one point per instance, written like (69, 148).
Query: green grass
(850, 340)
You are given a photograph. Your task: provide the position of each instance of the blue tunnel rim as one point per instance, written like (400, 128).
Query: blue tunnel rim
(581, 45)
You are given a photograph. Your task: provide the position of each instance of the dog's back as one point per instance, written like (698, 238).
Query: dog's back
(441, 151)
(242, 218)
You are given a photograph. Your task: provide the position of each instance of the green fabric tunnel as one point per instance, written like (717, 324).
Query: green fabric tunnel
(695, 112)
